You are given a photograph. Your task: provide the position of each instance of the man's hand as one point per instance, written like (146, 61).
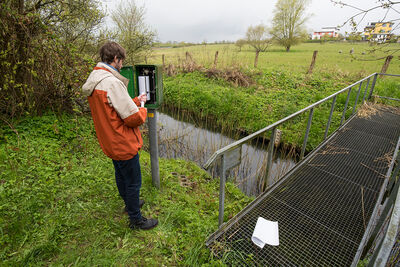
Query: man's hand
(142, 98)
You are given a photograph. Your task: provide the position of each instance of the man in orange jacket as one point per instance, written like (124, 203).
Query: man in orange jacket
(117, 118)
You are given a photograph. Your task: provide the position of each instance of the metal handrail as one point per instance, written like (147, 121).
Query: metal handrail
(229, 147)
(391, 212)
(221, 153)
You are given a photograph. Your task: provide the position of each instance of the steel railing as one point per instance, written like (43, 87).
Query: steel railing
(230, 155)
(383, 230)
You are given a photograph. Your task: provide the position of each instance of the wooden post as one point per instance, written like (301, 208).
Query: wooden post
(145, 59)
(163, 60)
(314, 57)
(216, 59)
(256, 59)
(386, 65)
(187, 55)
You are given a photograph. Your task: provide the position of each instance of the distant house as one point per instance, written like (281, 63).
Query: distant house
(378, 31)
(332, 32)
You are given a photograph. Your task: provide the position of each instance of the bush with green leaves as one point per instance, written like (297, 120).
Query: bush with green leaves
(44, 55)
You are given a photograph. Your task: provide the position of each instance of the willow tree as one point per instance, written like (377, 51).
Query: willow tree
(288, 24)
(132, 32)
(257, 37)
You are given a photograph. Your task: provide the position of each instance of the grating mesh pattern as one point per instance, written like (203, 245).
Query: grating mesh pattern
(394, 257)
(324, 206)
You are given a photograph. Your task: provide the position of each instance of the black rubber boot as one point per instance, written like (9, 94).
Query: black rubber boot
(144, 224)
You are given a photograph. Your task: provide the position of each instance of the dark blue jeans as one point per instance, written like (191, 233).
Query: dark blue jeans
(129, 180)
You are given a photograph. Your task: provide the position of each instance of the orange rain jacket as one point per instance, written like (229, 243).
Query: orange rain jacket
(115, 114)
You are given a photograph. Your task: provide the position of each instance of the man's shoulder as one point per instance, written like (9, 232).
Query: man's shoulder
(111, 83)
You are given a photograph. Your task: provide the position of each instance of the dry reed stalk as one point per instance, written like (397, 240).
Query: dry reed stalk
(334, 150)
(385, 158)
(380, 174)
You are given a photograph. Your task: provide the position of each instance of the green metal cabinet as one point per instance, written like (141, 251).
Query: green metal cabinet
(145, 77)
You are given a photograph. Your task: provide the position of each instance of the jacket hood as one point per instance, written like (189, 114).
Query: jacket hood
(97, 75)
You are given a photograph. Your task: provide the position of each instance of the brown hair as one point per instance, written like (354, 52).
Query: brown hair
(110, 50)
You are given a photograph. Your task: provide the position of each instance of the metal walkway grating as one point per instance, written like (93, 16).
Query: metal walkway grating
(323, 207)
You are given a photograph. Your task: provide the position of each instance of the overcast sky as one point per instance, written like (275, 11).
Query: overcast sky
(217, 20)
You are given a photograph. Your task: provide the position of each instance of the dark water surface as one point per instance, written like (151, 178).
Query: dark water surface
(187, 140)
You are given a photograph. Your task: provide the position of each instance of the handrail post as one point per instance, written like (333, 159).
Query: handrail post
(345, 106)
(373, 86)
(303, 149)
(268, 177)
(221, 192)
(358, 94)
(366, 90)
(330, 117)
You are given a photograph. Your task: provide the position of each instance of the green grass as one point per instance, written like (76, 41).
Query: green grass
(296, 61)
(60, 206)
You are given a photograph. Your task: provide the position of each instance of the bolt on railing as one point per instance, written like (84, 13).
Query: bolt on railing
(230, 155)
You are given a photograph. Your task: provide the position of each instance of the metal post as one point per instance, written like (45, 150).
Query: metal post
(366, 90)
(345, 107)
(303, 149)
(358, 94)
(373, 85)
(152, 122)
(268, 178)
(221, 192)
(330, 117)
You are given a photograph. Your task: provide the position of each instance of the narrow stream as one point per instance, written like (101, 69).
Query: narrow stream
(186, 140)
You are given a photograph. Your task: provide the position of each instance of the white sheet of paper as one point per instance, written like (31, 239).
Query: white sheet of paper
(265, 232)
(144, 86)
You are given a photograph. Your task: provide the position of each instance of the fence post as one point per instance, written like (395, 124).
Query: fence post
(330, 117)
(216, 59)
(303, 149)
(268, 177)
(358, 94)
(221, 192)
(345, 107)
(366, 90)
(386, 64)
(314, 57)
(153, 141)
(373, 86)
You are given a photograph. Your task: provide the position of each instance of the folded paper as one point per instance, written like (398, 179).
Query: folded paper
(265, 232)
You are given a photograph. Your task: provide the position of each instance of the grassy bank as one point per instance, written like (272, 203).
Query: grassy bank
(274, 96)
(60, 206)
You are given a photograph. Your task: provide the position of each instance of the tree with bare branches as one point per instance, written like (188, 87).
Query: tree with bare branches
(391, 14)
(240, 43)
(258, 38)
(132, 32)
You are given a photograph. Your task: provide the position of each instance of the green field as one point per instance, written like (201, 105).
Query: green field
(297, 60)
